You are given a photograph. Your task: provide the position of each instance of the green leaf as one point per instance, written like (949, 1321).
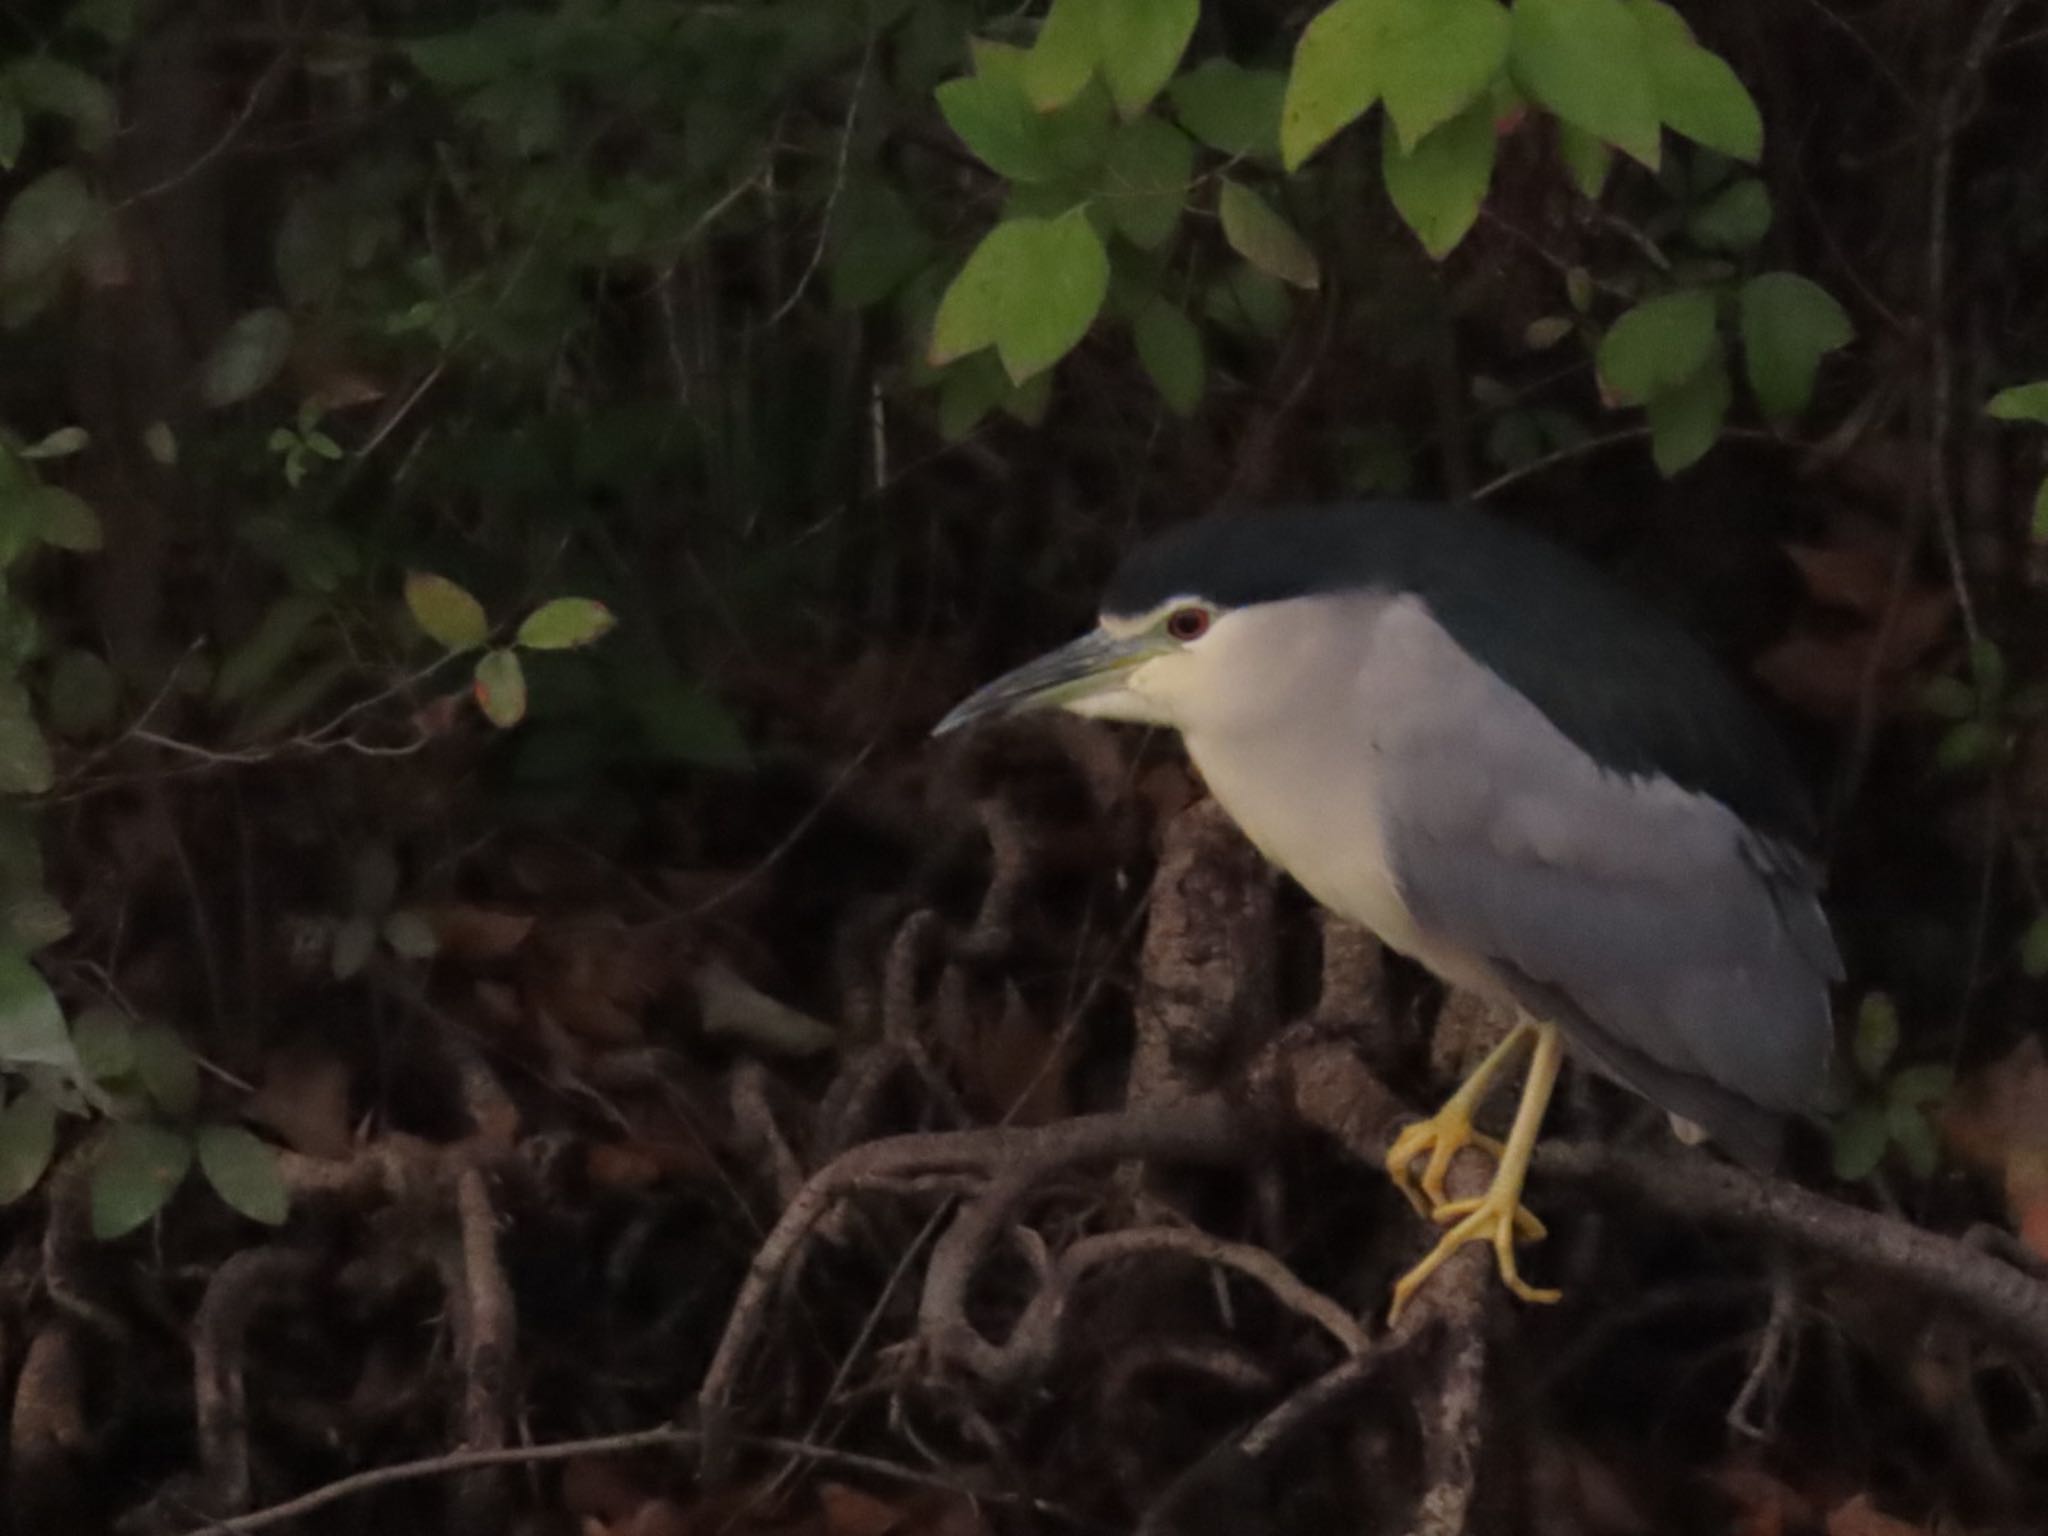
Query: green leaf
(410, 935)
(450, 616)
(309, 251)
(2034, 947)
(62, 520)
(684, 722)
(34, 920)
(1914, 1137)
(500, 688)
(28, 1139)
(1032, 288)
(1697, 94)
(1949, 698)
(1542, 334)
(994, 117)
(1248, 301)
(1264, 239)
(112, 20)
(13, 129)
(355, 941)
(1877, 1034)
(1587, 159)
(44, 84)
(60, 444)
(1578, 289)
(1064, 56)
(1335, 78)
(876, 244)
(1142, 42)
(1233, 110)
(1788, 324)
(1586, 61)
(161, 443)
(1145, 180)
(1971, 744)
(971, 388)
(1987, 669)
(2037, 525)
(1072, 278)
(1736, 219)
(42, 224)
(2023, 402)
(1438, 189)
(83, 694)
(138, 1168)
(1656, 347)
(32, 1032)
(246, 358)
(1437, 57)
(1170, 348)
(975, 303)
(1926, 1084)
(1685, 422)
(1860, 1139)
(275, 641)
(25, 764)
(104, 1038)
(168, 1070)
(1029, 401)
(243, 1172)
(564, 624)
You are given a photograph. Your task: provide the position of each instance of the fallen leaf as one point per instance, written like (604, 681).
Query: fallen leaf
(1822, 669)
(477, 934)
(1766, 1505)
(1859, 1517)
(1856, 576)
(1998, 1120)
(304, 1098)
(663, 1517)
(730, 1006)
(1015, 1069)
(621, 1165)
(603, 1487)
(851, 1511)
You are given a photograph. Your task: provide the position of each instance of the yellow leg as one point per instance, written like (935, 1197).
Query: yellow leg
(1449, 1131)
(1497, 1216)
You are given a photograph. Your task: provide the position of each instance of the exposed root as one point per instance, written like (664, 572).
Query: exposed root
(1195, 1130)
(485, 1320)
(1034, 1339)
(71, 1259)
(47, 1436)
(219, 1333)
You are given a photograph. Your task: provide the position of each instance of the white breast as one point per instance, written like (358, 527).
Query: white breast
(1292, 724)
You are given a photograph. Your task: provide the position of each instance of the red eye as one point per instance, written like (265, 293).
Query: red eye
(1188, 623)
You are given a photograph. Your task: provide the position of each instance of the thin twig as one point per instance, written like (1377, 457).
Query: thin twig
(1948, 126)
(359, 1483)
(233, 131)
(803, 282)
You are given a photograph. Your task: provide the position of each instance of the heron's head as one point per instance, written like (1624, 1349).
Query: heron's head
(1155, 667)
(1221, 623)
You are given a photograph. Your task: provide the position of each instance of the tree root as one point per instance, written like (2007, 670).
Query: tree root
(219, 1331)
(485, 1320)
(1195, 1130)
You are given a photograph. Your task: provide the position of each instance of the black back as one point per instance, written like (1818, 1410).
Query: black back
(1619, 679)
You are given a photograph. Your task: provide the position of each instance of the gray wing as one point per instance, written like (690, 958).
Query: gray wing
(1688, 956)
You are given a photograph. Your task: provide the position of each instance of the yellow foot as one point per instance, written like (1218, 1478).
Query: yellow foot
(1443, 1136)
(1496, 1217)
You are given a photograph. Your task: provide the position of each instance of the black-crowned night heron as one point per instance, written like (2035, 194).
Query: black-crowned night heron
(1473, 744)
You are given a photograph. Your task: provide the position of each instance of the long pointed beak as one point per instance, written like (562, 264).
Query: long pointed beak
(1094, 664)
